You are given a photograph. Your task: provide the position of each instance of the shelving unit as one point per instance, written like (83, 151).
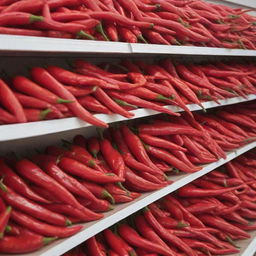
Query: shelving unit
(27, 130)
(37, 47)
(124, 210)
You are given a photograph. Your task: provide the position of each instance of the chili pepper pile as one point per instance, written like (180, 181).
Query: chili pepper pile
(55, 92)
(172, 22)
(76, 182)
(206, 217)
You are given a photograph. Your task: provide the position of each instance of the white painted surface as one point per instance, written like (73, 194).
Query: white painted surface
(124, 210)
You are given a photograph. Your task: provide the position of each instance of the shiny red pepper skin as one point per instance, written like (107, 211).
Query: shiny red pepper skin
(4, 218)
(43, 77)
(43, 228)
(28, 87)
(133, 238)
(136, 147)
(93, 105)
(93, 247)
(169, 158)
(33, 173)
(11, 103)
(149, 233)
(104, 98)
(12, 180)
(136, 183)
(115, 242)
(75, 168)
(19, 202)
(161, 231)
(112, 157)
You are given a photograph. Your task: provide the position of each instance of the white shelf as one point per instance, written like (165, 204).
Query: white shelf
(26, 130)
(124, 210)
(29, 45)
(248, 246)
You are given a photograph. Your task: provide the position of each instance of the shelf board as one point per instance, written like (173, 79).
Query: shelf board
(27, 130)
(248, 246)
(29, 45)
(124, 210)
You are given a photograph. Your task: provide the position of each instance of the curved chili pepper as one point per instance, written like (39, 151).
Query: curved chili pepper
(136, 147)
(43, 77)
(150, 234)
(98, 191)
(12, 180)
(137, 183)
(93, 247)
(28, 87)
(111, 104)
(33, 173)
(67, 181)
(161, 231)
(93, 146)
(4, 218)
(78, 169)
(32, 208)
(11, 103)
(43, 228)
(115, 242)
(158, 142)
(133, 238)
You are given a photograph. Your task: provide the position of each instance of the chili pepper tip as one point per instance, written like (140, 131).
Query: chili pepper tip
(68, 222)
(35, 18)
(8, 228)
(107, 195)
(119, 184)
(47, 240)
(99, 28)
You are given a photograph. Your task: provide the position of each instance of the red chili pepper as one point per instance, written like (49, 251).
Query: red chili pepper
(31, 102)
(93, 146)
(98, 206)
(78, 169)
(68, 210)
(4, 218)
(67, 181)
(34, 115)
(33, 173)
(169, 158)
(98, 191)
(162, 232)
(91, 104)
(28, 87)
(115, 242)
(18, 18)
(43, 228)
(133, 238)
(135, 182)
(219, 223)
(93, 247)
(168, 128)
(11, 103)
(191, 191)
(114, 17)
(129, 160)
(43, 77)
(112, 157)
(24, 243)
(110, 104)
(158, 142)
(136, 147)
(7, 118)
(12, 180)
(150, 234)
(31, 208)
